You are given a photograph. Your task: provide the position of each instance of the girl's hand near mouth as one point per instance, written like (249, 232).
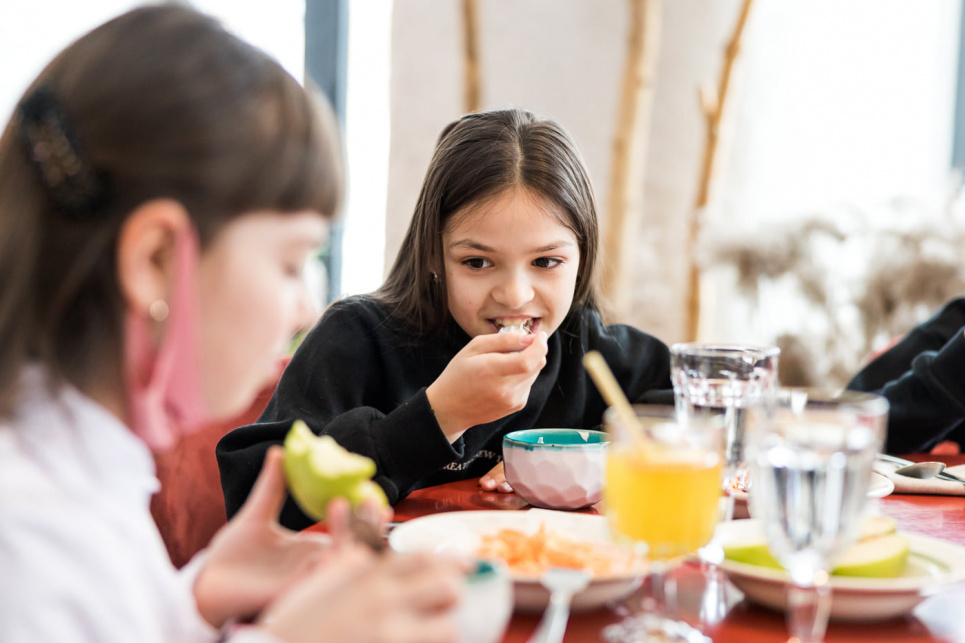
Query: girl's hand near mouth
(487, 380)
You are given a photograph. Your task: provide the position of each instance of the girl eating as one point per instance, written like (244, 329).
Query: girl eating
(417, 375)
(162, 183)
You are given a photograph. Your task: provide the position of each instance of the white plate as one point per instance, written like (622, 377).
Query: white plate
(879, 487)
(931, 564)
(460, 532)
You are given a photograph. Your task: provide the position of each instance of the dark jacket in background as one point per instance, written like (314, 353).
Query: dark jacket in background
(923, 377)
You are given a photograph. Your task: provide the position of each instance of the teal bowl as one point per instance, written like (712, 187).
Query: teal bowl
(556, 468)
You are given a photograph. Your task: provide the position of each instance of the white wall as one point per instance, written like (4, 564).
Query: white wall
(844, 101)
(835, 102)
(843, 108)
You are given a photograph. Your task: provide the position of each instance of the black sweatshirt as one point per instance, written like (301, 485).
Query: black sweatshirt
(923, 377)
(358, 379)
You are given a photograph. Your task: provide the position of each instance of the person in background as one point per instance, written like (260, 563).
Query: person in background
(922, 380)
(162, 184)
(422, 375)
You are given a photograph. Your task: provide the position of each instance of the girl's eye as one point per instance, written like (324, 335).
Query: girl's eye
(297, 268)
(547, 262)
(295, 272)
(476, 263)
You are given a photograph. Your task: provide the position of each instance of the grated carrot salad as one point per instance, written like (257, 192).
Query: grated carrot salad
(532, 554)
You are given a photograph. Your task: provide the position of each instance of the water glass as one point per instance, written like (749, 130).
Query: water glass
(722, 381)
(719, 382)
(811, 454)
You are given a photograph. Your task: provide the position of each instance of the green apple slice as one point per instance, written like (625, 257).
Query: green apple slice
(879, 552)
(752, 553)
(881, 557)
(875, 526)
(319, 470)
(365, 490)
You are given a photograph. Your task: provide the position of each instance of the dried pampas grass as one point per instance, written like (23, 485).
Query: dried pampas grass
(847, 287)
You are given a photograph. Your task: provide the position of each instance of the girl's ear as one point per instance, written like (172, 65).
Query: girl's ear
(145, 252)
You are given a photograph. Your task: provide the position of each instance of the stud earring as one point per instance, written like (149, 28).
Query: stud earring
(435, 276)
(159, 310)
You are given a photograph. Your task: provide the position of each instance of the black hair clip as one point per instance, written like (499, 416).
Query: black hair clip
(70, 180)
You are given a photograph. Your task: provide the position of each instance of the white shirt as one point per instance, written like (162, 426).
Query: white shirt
(80, 556)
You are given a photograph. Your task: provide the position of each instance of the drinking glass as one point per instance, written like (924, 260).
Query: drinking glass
(722, 381)
(811, 454)
(661, 495)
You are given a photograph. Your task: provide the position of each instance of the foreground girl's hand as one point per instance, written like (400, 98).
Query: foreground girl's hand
(495, 480)
(253, 559)
(360, 597)
(487, 380)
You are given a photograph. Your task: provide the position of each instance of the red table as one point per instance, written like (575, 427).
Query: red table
(939, 618)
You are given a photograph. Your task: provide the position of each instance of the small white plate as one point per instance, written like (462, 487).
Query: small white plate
(932, 564)
(879, 487)
(461, 531)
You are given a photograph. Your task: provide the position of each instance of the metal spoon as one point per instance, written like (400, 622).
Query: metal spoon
(921, 470)
(562, 584)
(366, 533)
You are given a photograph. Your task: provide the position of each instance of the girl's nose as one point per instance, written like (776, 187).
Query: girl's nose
(514, 291)
(306, 308)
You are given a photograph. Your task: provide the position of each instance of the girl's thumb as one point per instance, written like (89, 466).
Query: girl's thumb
(268, 494)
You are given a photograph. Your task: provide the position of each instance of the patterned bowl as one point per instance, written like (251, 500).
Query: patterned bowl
(556, 468)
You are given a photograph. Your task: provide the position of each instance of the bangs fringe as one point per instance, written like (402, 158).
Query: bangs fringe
(297, 162)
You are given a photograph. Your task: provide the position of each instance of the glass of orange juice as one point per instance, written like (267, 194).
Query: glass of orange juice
(661, 494)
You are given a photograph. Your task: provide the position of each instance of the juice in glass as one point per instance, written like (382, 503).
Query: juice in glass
(665, 497)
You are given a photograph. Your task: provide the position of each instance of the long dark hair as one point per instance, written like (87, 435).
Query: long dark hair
(477, 158)
(159, 102)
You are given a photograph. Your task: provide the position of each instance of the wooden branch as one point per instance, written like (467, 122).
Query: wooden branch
(713, 109)
(470, 30)
(630, 148)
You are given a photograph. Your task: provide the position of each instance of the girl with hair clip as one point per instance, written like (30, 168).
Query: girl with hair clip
(161, 186)
(418, 375)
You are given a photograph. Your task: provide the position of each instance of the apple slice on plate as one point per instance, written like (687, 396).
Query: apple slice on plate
(931, 564)
(879, 552)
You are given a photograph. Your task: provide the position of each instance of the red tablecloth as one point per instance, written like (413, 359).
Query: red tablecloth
(939, 618)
